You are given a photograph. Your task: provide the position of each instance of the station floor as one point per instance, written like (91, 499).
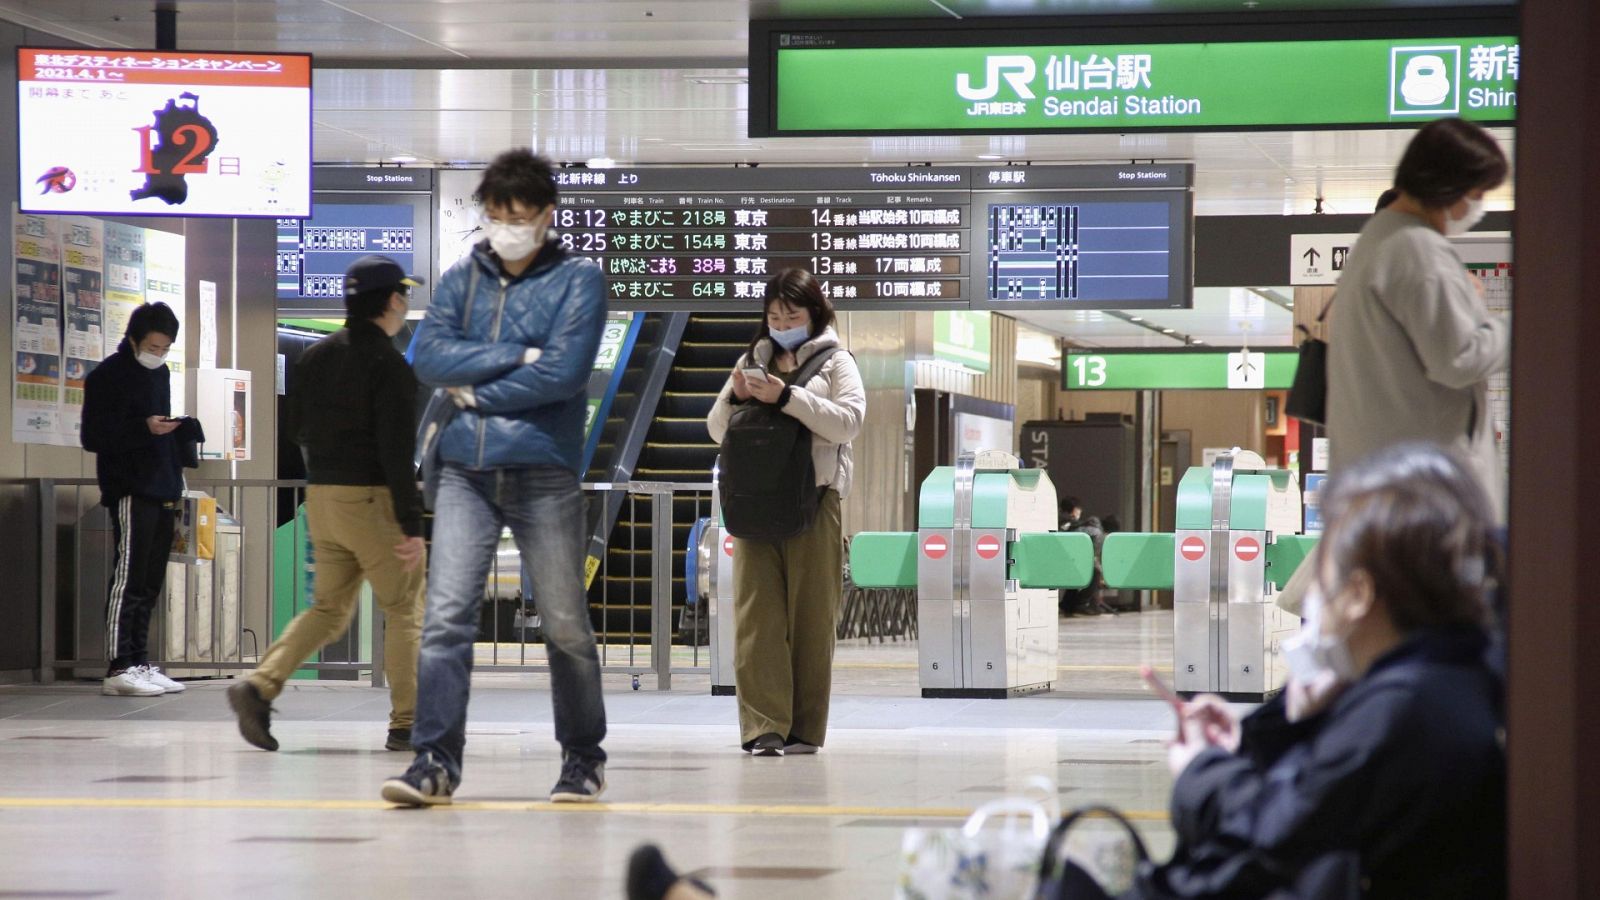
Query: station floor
(158, 797)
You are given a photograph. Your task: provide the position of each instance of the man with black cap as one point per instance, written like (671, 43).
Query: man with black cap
(352, 410)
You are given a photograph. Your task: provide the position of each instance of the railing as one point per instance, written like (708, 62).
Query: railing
(227, 626)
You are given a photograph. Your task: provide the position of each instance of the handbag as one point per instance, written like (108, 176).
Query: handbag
(975, 862)
(439, 413)
(1308, 395)
(1090, 869)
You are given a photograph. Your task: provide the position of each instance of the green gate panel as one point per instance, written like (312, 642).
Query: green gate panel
(1138, 561)
(936, 506)
(883, 559)
(291, 584)
(1194, 500)
(1285, 555)
(1053, 560)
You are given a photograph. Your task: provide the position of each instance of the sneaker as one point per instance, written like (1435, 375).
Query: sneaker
(129, 683)
(426, 783)
(797, 747)
(766, 745)
(399, 739)
(581, 781)
(255, 715)
(155, 676)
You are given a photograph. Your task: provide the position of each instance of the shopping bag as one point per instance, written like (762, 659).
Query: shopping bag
(1071, 855)
(975, 862)
(194, 533)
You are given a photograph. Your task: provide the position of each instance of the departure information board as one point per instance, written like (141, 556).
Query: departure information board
(877, 238)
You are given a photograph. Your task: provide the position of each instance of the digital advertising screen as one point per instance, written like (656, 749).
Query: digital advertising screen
(173, 133)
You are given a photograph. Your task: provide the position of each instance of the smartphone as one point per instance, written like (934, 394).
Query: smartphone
(754, 373)
(1162, 689)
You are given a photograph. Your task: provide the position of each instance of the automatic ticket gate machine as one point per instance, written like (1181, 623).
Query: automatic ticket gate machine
(985, 560)
(1236, 539)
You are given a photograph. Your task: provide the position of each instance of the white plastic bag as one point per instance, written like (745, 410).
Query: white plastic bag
(994, 856)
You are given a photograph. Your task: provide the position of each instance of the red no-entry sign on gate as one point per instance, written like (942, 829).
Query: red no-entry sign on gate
(1192, 548)
(1247, 549)
(988, 546)
(727, 545)
(935, 547)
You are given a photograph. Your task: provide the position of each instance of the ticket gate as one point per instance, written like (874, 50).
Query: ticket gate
(986, 560)
(711, 548)
(1236, 540)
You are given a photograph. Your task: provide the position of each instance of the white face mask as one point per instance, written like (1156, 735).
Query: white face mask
(150, 360)
(514, 242)
(1474, 214)
(1311, 653)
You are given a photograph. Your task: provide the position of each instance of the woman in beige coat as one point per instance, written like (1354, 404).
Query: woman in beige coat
(786, 593)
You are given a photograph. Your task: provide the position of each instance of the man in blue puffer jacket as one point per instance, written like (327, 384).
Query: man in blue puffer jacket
(512, 334)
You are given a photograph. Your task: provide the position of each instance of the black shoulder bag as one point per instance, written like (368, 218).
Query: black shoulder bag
(768, 483)
(1308, 396)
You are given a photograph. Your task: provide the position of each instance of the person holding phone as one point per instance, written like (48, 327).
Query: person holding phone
(786, 593)
(1380, 770)
(138, 448)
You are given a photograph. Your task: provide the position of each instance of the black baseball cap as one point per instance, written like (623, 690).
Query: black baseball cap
(371, 273)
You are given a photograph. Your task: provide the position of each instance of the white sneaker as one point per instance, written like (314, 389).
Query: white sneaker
(155, 676)
(130, 683)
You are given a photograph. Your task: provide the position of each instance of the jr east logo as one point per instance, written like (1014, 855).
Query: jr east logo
(1017, 72)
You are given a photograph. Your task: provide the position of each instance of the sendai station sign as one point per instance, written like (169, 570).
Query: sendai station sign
(1116, 87)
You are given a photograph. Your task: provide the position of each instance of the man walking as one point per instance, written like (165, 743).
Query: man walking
(353, 413)
(127, 404)
(512, 332)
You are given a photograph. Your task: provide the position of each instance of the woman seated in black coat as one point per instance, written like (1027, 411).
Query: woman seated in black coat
(1380, 771)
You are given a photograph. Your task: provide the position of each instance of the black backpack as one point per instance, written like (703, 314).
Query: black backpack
(768, 483)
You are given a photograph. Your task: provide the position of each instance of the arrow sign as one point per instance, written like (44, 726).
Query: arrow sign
(1311, 256)
(1247, 549)
(935, 547)
(988, 546)
(1318, 258)
(727, 545)
(1192, 549)
(1247, 371)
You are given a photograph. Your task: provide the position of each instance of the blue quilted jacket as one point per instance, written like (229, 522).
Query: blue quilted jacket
(526, 415)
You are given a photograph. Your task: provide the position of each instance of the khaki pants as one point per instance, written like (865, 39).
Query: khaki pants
(353, 536)
(786, 609)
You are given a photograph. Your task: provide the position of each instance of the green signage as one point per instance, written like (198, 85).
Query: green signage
(962, 338)
(1265, 84)
(1178, 371)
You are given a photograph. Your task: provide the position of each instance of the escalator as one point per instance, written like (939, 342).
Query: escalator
(676, 448)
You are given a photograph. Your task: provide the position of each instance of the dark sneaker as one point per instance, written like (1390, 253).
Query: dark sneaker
(581, 781)
(399, 739)
(766, 745)
(255, 715)
(426, 783)
(651, 878)
(797, 747)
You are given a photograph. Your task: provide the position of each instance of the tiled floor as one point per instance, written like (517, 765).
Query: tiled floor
(126, 797)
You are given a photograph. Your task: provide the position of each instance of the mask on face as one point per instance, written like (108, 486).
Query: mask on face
(150, 360)
(514, 241)
(1311, 653)
(1474, 214)
(790, 338)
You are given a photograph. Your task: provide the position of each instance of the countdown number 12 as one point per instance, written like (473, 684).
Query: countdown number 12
(194, 135)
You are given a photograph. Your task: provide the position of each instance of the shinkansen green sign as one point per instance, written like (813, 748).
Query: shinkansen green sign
(1269, 84)
(1178, 370)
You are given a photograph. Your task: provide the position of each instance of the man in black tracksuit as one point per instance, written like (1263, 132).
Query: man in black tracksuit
(127, 404)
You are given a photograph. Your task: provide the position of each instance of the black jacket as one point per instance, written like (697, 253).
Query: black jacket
(352, 410)
(118, 396)
(1401, 782)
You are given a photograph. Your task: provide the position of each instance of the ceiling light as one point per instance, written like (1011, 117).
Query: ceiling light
(1135, 318)
(600, 162)
(1168, 330)
(719, 79)
(991, 156)
(402, 159)
(1197, 341)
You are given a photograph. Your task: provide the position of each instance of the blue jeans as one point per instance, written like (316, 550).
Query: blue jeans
(545, 512)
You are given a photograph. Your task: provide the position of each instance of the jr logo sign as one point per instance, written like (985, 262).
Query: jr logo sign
(1018, 71)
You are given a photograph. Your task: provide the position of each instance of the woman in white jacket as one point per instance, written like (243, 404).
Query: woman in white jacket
(786, 593)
